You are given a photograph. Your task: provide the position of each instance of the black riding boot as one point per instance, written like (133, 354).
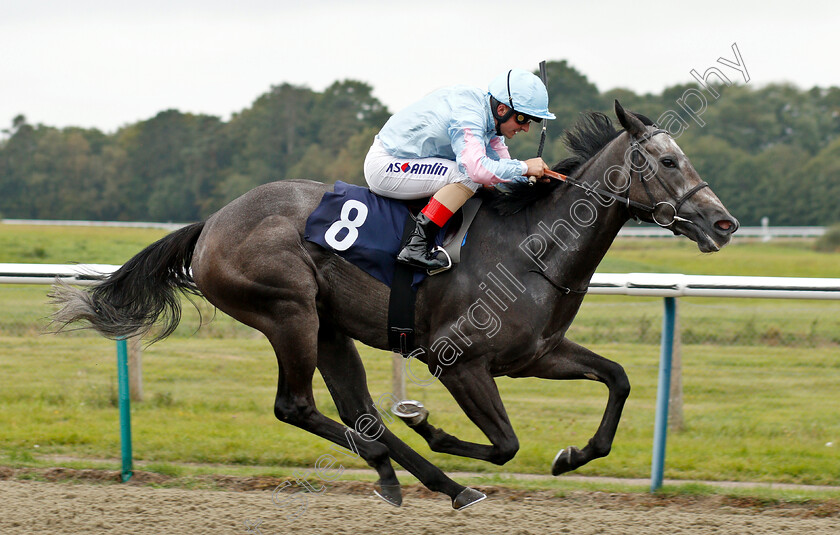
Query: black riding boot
(416, 251)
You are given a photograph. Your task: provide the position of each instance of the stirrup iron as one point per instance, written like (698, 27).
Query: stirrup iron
(439, 249)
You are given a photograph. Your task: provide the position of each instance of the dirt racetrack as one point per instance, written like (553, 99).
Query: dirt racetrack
(85, 503)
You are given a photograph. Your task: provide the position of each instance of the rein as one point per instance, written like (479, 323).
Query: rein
(654, 206)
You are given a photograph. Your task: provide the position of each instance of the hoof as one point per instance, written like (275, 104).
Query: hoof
(413, 413)
(467, 497)
(566, 460)
(392, 494)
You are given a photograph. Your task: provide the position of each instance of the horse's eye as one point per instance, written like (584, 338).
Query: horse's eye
(669, 163)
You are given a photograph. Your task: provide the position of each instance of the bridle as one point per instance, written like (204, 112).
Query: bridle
(631, 205)
(654, 208)
(637, 149)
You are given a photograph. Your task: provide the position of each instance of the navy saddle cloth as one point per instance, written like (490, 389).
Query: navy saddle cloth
(363, 228)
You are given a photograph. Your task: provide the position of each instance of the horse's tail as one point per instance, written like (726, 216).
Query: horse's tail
(132, 299)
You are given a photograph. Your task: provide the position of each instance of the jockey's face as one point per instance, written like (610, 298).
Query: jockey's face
(510, 127)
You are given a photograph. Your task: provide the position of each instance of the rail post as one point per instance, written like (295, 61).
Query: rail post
(660, 431)
(398, 376)
(125, 409)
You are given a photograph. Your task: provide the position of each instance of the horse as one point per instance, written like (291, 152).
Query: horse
(503, 311)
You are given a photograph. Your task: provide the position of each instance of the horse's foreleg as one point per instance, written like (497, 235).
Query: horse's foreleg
(344, 375)
(571, 361)
(475, 391)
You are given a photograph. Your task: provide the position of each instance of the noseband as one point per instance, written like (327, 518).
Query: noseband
(654, 208)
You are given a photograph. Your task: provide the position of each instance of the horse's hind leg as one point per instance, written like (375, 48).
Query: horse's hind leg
(572, 361)
(344, 375)
(296, 344)
(265, 279)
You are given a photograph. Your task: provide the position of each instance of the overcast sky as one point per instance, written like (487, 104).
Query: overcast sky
(99, 64)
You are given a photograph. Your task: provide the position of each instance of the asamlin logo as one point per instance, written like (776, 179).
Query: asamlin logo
(418, 168)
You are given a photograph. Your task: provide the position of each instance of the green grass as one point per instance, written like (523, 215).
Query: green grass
(744, 256)
(65, 245)
(754, 414)
(779, 258)
(760, 378)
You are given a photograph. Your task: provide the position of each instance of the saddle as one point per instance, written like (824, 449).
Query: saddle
(369, 231)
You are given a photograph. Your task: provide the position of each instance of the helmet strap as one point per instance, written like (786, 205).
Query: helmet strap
(494, 108)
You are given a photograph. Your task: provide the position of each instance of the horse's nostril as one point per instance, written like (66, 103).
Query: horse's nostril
(725, 225)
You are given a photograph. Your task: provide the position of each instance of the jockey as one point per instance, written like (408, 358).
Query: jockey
(448, 145)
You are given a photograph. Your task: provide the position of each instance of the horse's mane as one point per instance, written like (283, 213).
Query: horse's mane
(590, 133)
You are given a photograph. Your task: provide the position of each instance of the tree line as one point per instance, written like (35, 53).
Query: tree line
(771, 151)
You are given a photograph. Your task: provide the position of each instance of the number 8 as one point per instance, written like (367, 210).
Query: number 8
(352, 226)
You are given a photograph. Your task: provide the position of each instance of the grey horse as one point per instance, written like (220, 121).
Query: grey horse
(503, 311)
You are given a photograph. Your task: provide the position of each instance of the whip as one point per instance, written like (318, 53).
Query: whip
(543, 77)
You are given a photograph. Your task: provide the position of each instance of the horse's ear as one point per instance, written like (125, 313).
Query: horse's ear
(630, 122)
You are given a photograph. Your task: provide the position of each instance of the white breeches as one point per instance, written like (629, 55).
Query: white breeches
(407, 178)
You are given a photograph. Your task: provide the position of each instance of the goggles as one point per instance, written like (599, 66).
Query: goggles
(523, 119)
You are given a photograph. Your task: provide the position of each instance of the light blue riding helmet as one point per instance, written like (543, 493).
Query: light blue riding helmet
(522, 91)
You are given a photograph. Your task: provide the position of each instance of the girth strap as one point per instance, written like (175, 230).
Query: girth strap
(401, 302)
